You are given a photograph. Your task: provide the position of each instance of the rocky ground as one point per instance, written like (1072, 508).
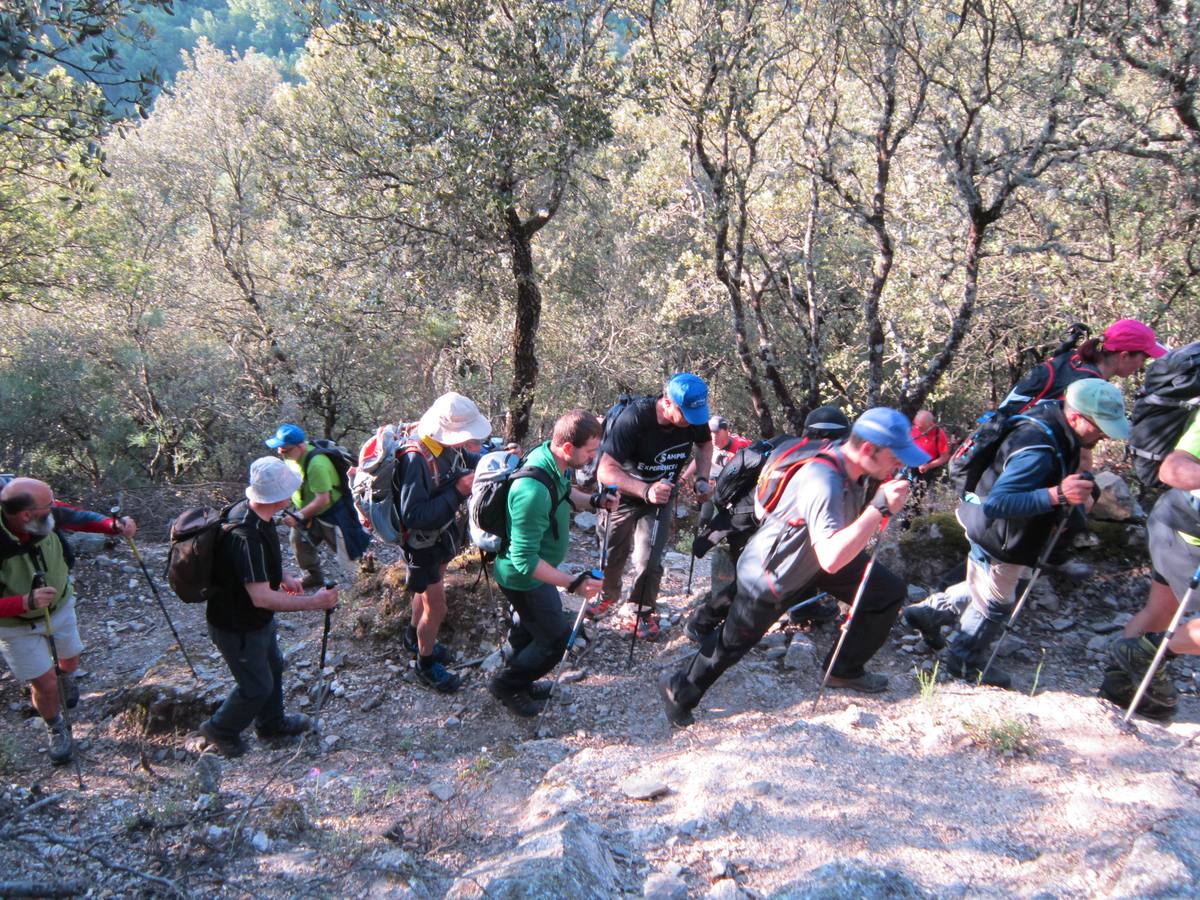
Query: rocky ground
(932, 789)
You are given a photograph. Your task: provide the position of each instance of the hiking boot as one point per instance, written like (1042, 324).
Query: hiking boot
(1134, 656)
(817, 615)
(312, 581)
(647, 629)
(695, 633)
(441, 653)
(866, 683)
(289, 726)
(541, 690)
(438, 678)
(928, 621)
(230, 748)
(1119, 689)
(601, 608)
(972, 673)
(61, 744)
(519, 703)
(678, 714)
(70, 690)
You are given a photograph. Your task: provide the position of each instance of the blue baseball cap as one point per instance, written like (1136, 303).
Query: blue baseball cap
(885, 427)
(690, 394)
(286, 435)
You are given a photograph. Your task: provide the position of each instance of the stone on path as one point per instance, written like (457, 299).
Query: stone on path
(661, 886)
(851, 880)
(644, 786)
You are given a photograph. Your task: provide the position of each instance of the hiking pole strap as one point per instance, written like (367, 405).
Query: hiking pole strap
(1185, 602)
(858, 595)
(1037, 571)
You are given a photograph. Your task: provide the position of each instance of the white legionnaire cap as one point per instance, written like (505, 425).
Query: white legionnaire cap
(454, 419)
(271, 480)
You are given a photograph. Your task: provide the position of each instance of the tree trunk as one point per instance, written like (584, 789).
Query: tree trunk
(525, 326)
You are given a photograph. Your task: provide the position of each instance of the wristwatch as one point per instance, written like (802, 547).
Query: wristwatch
(880, 503)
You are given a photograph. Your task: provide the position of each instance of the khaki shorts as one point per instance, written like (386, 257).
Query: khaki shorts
(26, 650)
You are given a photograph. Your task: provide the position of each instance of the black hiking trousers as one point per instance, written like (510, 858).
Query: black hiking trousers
(712, 612)
(538, 640)
(751, 616)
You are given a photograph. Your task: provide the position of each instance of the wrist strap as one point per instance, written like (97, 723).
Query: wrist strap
(574, 585)
(1058, 493)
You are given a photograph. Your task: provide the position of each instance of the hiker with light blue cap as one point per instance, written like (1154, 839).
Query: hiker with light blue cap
(817, 522)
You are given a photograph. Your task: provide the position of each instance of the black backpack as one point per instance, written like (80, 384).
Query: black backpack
(195, 534)
(488, 508)
(343, 461)
(1164, 406)
(976, 454)
(586, 474)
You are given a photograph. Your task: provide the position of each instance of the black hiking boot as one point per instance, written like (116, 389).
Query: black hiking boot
(541, 690)
(230, 748)
(972, 671)
(678, 714)
(866, 683)
(289, 726)
(695, 632)
(816, 615)
(928, 620)
(519, 703)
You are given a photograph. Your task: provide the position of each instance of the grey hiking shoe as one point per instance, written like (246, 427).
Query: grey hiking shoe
(1134, 656)
(866, 683)
(972, 671)
(928, 620)
(61, 744)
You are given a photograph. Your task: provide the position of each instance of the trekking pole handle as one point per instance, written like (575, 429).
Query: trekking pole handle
(330, 584)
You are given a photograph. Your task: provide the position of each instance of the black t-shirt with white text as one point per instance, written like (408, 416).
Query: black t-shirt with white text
(648, 450)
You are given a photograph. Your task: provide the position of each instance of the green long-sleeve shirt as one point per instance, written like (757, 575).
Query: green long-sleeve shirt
(530, 536)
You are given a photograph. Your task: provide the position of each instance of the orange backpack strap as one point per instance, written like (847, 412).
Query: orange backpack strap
(420, 449)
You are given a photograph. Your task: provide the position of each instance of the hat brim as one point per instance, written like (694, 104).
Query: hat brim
(292, 485)
(698, 416)
(1118, 429)
(477, 429)
(911, 455)
(1158, 351)
(275, 443)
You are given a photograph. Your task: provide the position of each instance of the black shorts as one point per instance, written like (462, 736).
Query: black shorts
(425, 565)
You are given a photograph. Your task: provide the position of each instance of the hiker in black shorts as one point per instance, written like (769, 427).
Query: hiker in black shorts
(645, 449)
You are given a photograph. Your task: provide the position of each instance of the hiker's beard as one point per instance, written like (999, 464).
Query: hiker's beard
(40, 527)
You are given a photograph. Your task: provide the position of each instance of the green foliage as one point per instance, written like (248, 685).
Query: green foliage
(1003, 736)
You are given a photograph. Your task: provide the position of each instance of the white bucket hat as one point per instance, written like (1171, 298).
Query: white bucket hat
(453, 419)
(271, 480)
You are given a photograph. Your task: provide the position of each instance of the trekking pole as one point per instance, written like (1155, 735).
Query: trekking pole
(39, 581)
(330, 584)
(1187, 600)
(816, 598)
(1064, 518)
(116, 514)
(658, 540)
(858, 595)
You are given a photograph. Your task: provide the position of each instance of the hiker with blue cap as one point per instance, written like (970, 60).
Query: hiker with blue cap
(645, 448)
(1028, 493)
(324, 511)
(814, 538)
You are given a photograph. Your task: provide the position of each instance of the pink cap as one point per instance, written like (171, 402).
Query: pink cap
(1132, 335)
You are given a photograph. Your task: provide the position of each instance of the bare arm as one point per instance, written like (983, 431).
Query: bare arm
(840, 548)
(609, 472)
(703, 460)
(264, 597)
(1180, 470)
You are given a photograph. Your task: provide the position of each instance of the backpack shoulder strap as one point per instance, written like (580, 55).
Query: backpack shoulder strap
(542, 477)
(1049, 432)
(418, 447)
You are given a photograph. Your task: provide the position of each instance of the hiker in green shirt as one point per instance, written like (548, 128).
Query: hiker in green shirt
(537, 536)
(325, 514)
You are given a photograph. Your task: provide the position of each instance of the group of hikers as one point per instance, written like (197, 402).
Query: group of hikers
(801, 528)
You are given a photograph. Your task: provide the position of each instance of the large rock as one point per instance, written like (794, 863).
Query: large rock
(1116, 503)
(851, 880)
(1154, 868)
(565, 857)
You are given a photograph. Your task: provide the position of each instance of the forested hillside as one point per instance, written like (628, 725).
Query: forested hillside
(542, 204)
